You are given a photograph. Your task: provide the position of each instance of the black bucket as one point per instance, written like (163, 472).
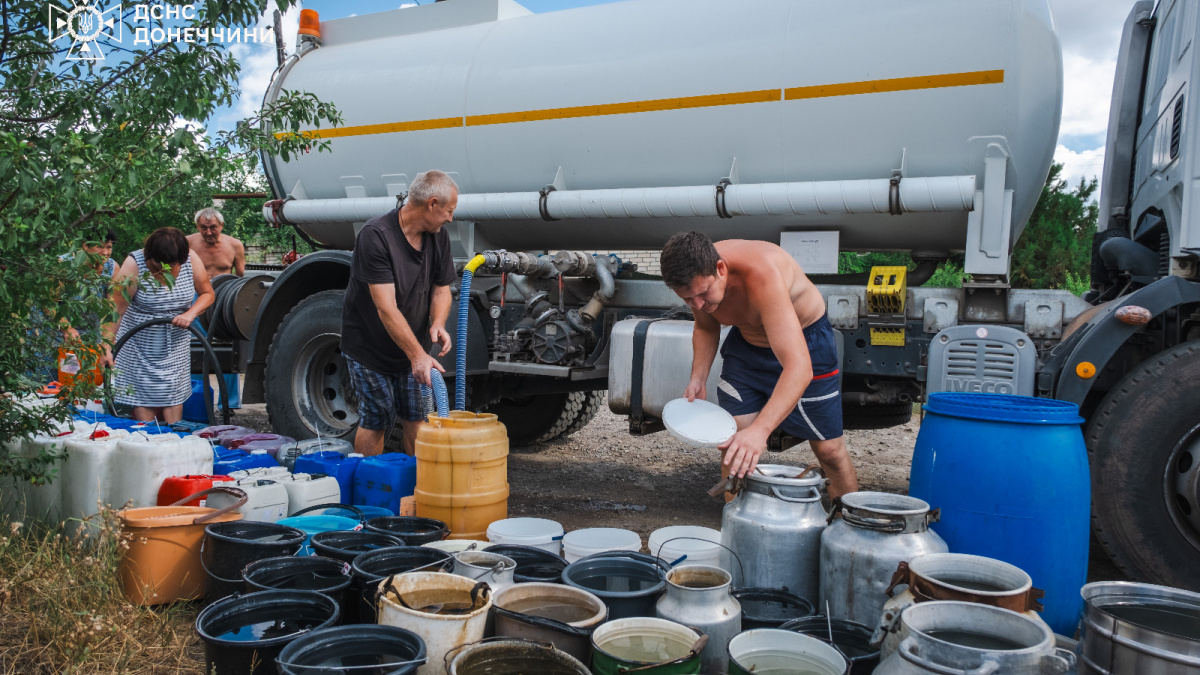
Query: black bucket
(352, 650)
(534, 565)
(512, 657)
(413, 530)
(629, 583)
(300, 573)
(229, 547)
(771, 607)
(244, 633)
(373, 566)
(346, 545)
(850, 637)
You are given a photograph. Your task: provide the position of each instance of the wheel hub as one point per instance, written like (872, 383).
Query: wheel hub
(321, 387)
(1182, 483)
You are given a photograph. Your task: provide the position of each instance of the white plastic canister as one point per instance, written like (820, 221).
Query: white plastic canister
(537, 532)
(592, 540)
(305, 490)
(44, 502)
(141, 462)
(259, 472)
(87, 476)
(266, 499)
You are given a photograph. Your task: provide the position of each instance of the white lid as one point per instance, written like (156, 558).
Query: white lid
(525, 530)
(603, 539)
(698, 423)
(258, 452)
(356, 454)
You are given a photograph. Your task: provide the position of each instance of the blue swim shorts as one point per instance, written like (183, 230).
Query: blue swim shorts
(383, 397)
(750, 373)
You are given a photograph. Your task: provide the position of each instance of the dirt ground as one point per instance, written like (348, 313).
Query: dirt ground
(604, 477)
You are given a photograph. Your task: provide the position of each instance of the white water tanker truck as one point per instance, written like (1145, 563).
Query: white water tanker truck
(925, 126)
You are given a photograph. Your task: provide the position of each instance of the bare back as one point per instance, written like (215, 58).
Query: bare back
(754, 264)
(222, 258)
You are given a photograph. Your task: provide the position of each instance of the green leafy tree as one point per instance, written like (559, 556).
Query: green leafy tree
(1055, 250)
(86, 145)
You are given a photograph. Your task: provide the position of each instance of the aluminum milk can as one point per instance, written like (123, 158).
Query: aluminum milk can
(774, 526)
(861, 550)
(699, 596)
(968, 638)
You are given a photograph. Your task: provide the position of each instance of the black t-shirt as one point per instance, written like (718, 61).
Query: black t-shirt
(382, 255)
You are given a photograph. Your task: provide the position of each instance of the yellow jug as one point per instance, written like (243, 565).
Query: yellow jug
(462, 472)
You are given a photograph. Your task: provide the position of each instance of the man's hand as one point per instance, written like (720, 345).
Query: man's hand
(439, 334)
(743, 450)
(696, 389)
(421, 367)
(183, 320)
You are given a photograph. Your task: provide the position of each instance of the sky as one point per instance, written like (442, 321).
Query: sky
(1089, 30)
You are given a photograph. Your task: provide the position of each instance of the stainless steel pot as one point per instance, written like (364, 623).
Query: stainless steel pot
(1139, 628)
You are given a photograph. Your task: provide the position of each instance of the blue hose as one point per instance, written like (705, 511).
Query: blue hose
(460, 361)
(439, 393)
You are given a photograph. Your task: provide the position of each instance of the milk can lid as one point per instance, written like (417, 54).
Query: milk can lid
(698, 423)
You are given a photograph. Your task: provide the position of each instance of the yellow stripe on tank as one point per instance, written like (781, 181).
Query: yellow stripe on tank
(681, 103)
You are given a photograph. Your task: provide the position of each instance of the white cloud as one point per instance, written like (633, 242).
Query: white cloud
(258, 60)
(1087, 91)
(1087, 164)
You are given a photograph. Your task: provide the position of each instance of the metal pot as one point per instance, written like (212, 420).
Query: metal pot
(861, 550)
(699, 597)
(495, 569)
(774, 526)
(964, 638)
(1125, 630)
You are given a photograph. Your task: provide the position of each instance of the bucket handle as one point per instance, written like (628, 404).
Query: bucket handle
(878, 524)
(543, 622)
(797, 500)
(301, 668)
(240, 495)
(736, 557)
(453, 651)
(209, 572)
(908, 652)
(332, 505)
(696, 649)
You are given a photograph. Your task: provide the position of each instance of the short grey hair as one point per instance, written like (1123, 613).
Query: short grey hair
(209, 214)
(430, 184)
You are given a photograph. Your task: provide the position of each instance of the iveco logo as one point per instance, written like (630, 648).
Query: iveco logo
(85, 25)
(960, 384)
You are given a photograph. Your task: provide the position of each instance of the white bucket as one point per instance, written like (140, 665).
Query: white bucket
(769, 651)
(536, 532)
(305, 490)
(702, 547)
(592, 540)
(441, 632)
(456, 545)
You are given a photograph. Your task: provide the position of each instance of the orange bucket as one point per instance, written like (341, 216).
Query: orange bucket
(162, 563)
(64, 357)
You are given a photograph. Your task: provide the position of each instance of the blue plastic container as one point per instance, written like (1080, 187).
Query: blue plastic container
(368, 512)
(332, 463)
(194, 409)
(312, 524)
(226, 460)
(383, 479)
(1010, 474)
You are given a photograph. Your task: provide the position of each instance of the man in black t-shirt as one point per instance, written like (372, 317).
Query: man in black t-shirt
(396, 308)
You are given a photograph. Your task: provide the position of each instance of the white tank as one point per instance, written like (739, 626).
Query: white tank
(266, 499)
(305, 490)
(659, 93)
(43, 503)
(259, 472)
(87, 476)
(141, 462)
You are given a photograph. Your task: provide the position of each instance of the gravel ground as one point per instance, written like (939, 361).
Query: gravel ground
(604, 477)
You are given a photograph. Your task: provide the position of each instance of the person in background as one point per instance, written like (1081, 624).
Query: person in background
(154, 366)
(220, 253)
(99, 250)
(396, 306)
(780, 358)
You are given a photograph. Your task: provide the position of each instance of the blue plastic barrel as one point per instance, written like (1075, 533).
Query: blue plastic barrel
(383, 479)
(1010, 474)
(332, 463)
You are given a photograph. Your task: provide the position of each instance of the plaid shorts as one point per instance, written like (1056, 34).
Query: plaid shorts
(382, 398)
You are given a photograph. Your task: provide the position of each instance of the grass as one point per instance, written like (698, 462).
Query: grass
(62, 610)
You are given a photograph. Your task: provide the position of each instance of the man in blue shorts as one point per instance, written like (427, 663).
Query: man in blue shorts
(780, 358)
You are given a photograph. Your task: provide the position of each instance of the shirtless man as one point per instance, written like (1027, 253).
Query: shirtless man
(220, 253)
(780, 358)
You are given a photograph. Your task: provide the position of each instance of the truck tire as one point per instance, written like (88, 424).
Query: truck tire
(1144, 446)
(533, 420)
(876, 416)
(307, 383)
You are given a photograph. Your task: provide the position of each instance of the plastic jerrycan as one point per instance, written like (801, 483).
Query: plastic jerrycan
(383, 480)
(462, 472)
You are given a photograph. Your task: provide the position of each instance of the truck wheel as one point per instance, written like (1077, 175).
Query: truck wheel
(876, 416)
(591, 405)
(1144, 442)
(542, 418)
(307, 382)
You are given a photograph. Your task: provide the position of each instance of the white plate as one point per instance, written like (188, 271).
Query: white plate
(698, 423)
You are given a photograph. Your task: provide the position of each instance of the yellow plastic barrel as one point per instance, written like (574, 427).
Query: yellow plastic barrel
(462, 472)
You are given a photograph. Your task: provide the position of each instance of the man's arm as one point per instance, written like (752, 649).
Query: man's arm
(771, 300)
(439, 311)
(384, 297)
(706, 336)
(239, 258)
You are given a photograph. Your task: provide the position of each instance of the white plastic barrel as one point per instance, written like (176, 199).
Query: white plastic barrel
(305, 490)
(87, 475)
(537, 532)
(266, 499)
(141, 462)
(700, 547)
(44, 502)
(582, 543)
